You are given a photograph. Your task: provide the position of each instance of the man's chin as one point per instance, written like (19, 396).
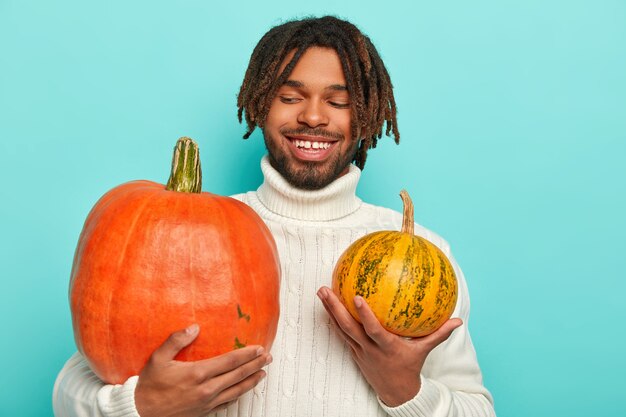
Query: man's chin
(307, 175)
(307, 181)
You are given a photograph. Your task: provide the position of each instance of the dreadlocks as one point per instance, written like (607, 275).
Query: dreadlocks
(368, 83)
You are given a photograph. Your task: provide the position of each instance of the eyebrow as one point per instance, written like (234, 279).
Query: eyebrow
(300, 84)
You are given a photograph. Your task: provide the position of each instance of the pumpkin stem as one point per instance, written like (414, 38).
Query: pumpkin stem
(186, 176)
(407, 215)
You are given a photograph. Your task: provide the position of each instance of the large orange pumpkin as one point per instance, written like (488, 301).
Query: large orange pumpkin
(153, 259)
(407, 281)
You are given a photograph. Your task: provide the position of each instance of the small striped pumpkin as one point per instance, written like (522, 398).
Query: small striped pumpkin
(406, 280)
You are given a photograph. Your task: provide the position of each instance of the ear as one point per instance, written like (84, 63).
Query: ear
(360, 133)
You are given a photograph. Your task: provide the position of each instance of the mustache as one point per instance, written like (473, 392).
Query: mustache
(313, 132)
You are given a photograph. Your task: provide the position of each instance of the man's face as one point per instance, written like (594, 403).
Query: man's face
(307, 130)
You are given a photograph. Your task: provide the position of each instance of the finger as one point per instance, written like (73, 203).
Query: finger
(349, 340)
(230, 361)
(440, 335)
(371, 325)
(175, 343)
(342, 316)
(232, 393)
(226, 380)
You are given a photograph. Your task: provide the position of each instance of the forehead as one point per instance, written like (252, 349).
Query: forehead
(317, 65)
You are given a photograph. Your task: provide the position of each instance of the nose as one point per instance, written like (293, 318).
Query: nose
(313, 114)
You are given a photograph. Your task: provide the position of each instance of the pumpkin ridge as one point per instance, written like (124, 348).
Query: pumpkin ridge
(93, 219)
(236, 240)
(353, 269)
(200, 208)
(194, 279)
(85, 325)
(345, 261)
(443, 299)
(131, 230)
(427, 271)
(368, 275)
(401, 304)
(256, 300)
(388, 247)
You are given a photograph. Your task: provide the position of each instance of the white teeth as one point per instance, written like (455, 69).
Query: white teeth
(308, 144)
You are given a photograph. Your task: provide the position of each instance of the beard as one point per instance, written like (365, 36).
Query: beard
(308, 175)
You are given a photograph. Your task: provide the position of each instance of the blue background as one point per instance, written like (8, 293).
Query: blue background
(513, 123)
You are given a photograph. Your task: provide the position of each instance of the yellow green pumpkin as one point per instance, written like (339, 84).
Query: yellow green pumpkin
(407, 281)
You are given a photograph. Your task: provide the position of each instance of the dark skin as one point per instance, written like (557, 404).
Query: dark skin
(171, 388)
(379, 353)
(313, 105)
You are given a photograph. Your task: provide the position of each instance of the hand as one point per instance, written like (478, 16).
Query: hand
(170, 388)
(391, 364)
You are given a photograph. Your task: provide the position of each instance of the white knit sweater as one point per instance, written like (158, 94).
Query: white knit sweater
(313, 373)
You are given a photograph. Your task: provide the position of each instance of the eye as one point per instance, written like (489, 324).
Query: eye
(339, 105)
(338, 100)
(289, 100)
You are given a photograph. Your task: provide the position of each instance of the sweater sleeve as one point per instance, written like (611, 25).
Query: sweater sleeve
(452, 384)
(78, 392)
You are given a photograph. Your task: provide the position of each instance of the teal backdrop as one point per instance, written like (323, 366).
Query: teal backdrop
(513, 123)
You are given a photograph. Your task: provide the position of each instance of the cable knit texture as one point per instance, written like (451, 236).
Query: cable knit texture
(313, 373)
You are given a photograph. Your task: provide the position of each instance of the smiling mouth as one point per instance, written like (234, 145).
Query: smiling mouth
(310, 144)
(309, 148)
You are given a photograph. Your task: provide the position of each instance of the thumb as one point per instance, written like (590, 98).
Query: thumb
(441, 334)
(175, 343)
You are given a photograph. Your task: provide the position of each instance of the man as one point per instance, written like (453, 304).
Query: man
(321, 94)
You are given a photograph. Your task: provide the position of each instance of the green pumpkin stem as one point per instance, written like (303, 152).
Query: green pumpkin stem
(407, 215)
(186, 176)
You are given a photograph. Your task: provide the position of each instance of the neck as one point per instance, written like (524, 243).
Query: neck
(336, 200)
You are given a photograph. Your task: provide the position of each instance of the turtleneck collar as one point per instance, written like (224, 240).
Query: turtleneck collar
(336, 200)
